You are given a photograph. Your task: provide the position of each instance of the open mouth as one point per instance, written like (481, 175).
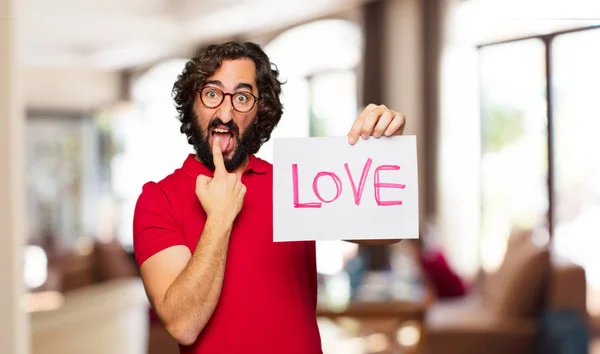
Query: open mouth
(225, 138)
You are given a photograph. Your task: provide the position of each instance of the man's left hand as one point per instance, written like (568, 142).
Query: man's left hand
(376, 121)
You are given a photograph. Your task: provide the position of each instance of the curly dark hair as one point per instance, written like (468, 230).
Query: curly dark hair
(206, 63)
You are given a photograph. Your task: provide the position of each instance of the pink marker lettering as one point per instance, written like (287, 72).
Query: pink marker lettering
(297, 203)
(378, 185)
(361, 184)
(336, 180)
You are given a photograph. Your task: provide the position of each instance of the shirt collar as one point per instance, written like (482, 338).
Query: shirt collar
(193, 167)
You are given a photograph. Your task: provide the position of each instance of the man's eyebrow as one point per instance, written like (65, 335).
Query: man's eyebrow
(243, 85)
(237, 87)
(214, 82)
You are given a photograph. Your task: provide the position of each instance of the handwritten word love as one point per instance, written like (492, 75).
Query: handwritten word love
(356, 190)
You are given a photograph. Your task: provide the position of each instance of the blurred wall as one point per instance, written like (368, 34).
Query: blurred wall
(69, 89)
(403, 41)
(402, 75)
(13, 323)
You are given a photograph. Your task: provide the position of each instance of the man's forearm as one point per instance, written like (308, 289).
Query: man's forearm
(191, 299)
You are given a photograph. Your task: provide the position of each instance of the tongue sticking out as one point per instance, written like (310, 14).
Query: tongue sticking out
(224, 140)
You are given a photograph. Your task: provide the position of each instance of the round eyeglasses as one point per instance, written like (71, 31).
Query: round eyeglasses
(241, 101)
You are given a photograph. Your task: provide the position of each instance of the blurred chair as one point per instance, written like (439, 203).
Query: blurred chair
(73, 269)
(502, 315)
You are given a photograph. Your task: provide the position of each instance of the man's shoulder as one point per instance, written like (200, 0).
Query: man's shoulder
(264, 162)
(262, 165)
(174, 179)
(163, 190)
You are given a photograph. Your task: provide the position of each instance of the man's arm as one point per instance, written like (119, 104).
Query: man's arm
(184, 289)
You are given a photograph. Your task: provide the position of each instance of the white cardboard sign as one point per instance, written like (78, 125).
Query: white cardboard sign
(327, 189)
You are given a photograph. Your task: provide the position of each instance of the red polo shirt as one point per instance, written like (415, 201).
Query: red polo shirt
(269, 292)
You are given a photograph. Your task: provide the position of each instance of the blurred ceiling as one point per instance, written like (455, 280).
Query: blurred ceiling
(117, 34)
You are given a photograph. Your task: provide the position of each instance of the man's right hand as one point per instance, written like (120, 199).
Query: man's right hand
(222, 196)
(184, 286)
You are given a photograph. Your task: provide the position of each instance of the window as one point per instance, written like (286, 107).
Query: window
(540, 118)
(332, 102)
(514, 143)
(62, 179)
(576, 116)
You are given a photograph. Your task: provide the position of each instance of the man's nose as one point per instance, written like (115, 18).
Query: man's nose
(226, 110)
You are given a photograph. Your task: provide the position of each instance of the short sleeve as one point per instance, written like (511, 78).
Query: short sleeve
(154, 224)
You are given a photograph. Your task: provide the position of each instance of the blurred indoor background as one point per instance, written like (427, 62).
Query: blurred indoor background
(503, 98)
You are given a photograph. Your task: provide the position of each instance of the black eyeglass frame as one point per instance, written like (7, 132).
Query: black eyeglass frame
(230, 97)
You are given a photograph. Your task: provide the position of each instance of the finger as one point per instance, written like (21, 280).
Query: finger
(355, 130)
(396, 127)
(367, 128)
(382, 124)
(218, 157)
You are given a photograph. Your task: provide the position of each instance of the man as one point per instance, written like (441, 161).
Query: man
(203, 235)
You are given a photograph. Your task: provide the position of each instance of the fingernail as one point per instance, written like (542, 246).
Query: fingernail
(364, 136)
(351, 140)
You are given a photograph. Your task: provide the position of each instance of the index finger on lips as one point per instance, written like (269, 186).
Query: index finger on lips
(218, 157)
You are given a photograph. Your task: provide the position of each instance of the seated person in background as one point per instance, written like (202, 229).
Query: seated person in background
(439, 279)
(438, 275)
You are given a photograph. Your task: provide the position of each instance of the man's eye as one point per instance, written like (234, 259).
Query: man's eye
(242, 97)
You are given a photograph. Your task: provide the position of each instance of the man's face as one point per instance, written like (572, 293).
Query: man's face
(235, 129)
